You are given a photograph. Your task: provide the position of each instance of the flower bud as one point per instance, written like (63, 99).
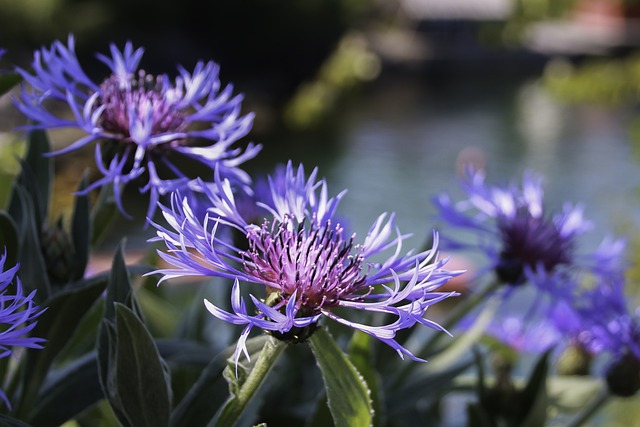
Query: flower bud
(58, 252)
(623, 376)
(574, 360)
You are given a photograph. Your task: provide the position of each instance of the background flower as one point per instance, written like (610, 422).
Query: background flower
(139, 120)
(522, 240)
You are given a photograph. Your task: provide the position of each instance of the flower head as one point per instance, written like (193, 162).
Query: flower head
(305, 263)
(523, 241)
(18, 314)
(139, 120)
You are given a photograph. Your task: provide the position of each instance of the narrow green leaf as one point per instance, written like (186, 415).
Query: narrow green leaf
(81, 230)
(103, 214)
(141, 375)
(106, 349)
(33, 270)
(119, 288)
(57, 325)
(347, 393)
(36, 176)
(8, 81)
(534, 395)
(67, 392)
(8, 239)
(477, 417)
(8, 421)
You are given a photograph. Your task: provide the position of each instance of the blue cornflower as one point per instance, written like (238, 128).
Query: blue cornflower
(303, 260)
(522, 240)
(139, 120)
(18, 314)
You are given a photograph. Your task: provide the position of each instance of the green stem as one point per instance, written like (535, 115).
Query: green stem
(236, 404)
(589, 410)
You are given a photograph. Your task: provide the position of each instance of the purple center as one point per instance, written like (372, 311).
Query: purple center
(146, 99)
(529, 241)
(317, 263)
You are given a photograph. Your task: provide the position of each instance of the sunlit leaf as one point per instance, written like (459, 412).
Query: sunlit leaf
(347, 393)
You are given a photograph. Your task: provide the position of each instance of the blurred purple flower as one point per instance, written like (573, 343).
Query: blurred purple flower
(303, 260)
(522, 240)
(139, 120)
(524, 335)
(18, 315)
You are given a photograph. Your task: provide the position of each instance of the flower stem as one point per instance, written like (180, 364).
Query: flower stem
(236, 404)
(588, 411)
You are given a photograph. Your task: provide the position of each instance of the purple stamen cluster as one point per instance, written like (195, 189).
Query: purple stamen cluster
(529, 242)
(142, 96)
(317, 263)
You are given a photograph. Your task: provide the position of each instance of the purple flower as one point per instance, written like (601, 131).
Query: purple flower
(523, 241)
(303, 261)
(139, 120)
(18, 315)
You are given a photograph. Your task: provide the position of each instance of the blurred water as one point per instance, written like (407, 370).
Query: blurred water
(401, 142)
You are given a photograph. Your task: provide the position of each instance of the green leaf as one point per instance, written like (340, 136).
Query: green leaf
(103, 214)
(119, 288)
(106, 348)
(81, 230)
(361, 354)
(42, 168)
(8, 81)
(36, 176)
(141, 375)
(67, 392)
(477, 417)
(57, 324)
(347, 393)
(8, 239)
(208, 393)
(534, 395)
(8, 421)
(33, 270)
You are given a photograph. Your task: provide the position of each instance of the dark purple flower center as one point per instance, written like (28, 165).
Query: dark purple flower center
(529, 241)
(316, 262)
(144, 96)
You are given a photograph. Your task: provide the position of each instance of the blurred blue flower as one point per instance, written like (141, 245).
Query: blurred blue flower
(305, 263)
(139, 120)
(524, 336)
(522, 240)
(18, 314)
